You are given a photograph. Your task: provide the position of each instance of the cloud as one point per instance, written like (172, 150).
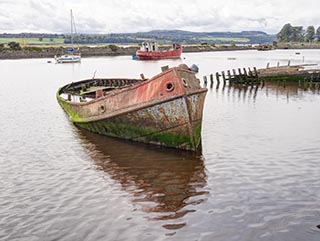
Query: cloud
(98, 16)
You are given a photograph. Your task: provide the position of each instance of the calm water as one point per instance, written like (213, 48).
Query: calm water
(257, 179)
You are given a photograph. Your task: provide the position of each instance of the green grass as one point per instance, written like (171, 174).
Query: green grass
(32, 41)
(225, 39)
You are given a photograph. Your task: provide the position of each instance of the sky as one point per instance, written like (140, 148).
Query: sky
(123, 16)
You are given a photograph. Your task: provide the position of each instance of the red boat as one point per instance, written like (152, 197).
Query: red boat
(150, 51)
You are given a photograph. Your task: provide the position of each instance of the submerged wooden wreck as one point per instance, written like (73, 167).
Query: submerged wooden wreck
(302, 73)
(165, 110)
(290, 72)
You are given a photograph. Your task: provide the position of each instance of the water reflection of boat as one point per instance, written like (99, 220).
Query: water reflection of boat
(164, 183)
(164, 110)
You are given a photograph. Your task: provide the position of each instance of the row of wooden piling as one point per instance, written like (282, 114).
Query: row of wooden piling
(244, 77)
(251, 77)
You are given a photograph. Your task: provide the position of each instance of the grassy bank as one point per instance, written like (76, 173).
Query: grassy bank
(33, 41)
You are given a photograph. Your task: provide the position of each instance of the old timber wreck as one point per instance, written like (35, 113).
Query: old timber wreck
(165, 110)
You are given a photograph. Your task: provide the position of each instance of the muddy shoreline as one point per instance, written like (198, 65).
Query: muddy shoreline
(112, 50)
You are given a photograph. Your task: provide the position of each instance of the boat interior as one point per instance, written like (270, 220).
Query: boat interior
(91, 89)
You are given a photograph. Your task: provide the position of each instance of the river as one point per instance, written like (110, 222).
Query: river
(258, 177)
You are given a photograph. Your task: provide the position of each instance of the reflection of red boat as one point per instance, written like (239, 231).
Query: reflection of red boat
(150, 51)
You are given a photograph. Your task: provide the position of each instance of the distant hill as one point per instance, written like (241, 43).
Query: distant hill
(244, 37)
(162, 36)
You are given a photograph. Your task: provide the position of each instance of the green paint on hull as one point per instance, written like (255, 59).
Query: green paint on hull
(73, 115)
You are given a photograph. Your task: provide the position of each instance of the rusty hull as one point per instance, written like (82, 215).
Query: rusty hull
(164, 110)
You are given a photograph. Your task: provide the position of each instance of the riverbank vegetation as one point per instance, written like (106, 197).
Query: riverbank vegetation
(37, 45)
(290, 33)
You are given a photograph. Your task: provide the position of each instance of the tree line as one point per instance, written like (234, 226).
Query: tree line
(162, 36)
(290, 33)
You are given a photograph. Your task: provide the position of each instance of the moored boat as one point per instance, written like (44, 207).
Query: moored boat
(165, 110)
(150, 51)
(71, 55)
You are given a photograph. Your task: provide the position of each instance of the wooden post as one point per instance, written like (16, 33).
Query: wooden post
(211, 79)
(268, 65)
(288, 62)
(235, 77)
(205, 80)
(217, 86)
(240, 75)
(218, 77)
(223, 77)
(255, 72)
(229, 75)
(250, 72)
(245, 74)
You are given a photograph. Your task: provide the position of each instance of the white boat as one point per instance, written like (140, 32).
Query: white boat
(70, 55)
(69, 58)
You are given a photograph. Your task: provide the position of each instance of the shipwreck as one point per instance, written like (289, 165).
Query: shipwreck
(165, 110)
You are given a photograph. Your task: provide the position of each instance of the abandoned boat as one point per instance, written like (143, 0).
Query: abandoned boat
(164, 110)
(150, 51)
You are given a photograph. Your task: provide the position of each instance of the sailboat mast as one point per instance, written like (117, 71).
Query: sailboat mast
(71, 26)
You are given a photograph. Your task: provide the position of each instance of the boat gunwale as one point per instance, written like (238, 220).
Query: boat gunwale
(140, 82)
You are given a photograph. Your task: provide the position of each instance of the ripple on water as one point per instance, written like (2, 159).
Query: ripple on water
(258, 178)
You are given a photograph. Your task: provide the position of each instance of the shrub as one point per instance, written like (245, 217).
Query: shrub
(113, 47)
(14, 46)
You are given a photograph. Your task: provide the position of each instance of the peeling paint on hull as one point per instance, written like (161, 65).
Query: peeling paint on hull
(165, 110)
